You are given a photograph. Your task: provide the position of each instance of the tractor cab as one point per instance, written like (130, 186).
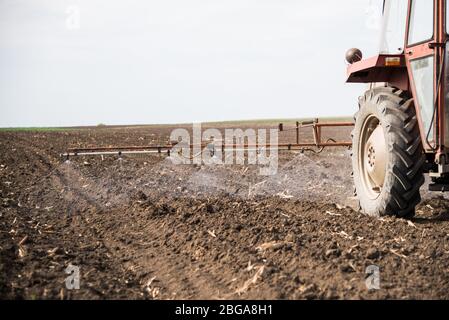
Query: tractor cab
(401, 129)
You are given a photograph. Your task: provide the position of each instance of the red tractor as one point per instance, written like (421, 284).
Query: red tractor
(402, 127)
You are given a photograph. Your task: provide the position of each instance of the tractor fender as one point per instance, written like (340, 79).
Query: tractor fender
(391, 69)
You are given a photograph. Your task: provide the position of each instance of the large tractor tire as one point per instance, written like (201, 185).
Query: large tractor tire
(387, 156)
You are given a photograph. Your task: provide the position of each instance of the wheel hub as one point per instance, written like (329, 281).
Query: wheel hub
(375, 159)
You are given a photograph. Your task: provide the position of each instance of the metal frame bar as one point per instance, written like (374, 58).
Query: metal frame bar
(159, 149)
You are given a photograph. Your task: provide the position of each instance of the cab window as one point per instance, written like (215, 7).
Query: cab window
(394, 26)
(421, 22)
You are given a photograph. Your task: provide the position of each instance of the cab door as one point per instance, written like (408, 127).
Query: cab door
(420, 58)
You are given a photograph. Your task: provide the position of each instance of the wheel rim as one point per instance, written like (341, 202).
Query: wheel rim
(372, 157)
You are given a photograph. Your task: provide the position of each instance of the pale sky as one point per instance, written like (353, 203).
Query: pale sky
(84, 62)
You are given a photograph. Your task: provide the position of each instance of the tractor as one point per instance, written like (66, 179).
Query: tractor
(401, 129)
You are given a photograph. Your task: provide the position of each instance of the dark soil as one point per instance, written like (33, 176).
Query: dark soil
(144, 228)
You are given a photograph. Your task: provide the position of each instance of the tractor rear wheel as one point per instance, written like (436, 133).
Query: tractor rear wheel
(387, 157)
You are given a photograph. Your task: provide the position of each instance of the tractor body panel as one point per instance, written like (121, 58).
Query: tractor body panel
(381, 68)
(415, 63)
